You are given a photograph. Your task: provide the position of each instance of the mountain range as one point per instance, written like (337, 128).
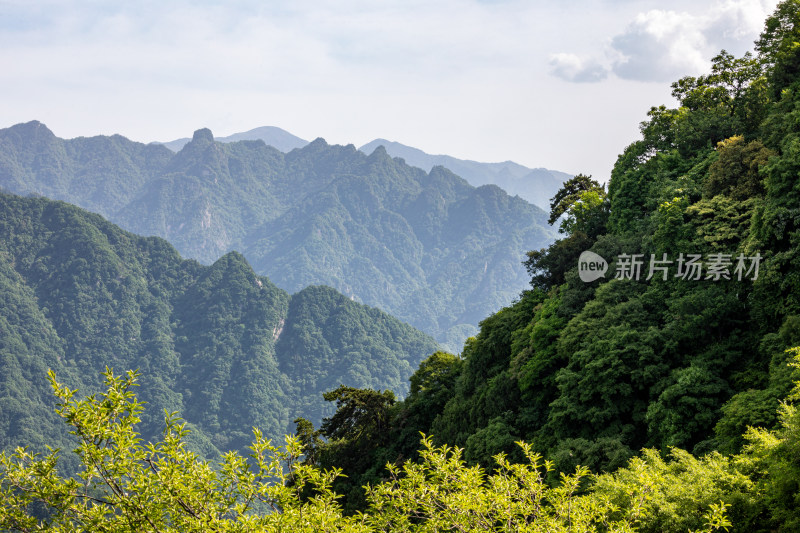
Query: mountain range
(219, 344)
(271, 135)
(427, 247)
(536, 185)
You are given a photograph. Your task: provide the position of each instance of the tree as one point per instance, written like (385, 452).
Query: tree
(361, 414)
(572, 193)
(310, 440)
(736, 170)
(588, 214)
(778, 46)
(434, 373)
(549, 266)
(441, 493)
(726, 85)
(356, 435)
(432, 386)
(126, 486)
(773, 458)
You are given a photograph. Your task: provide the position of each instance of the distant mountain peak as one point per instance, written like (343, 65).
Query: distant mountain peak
(33, 124)
(270, 135)
(380, 149)
(379, 153)
(233, 258)
(203, 135)
(34, 127)
(536, 186)
(380, 230)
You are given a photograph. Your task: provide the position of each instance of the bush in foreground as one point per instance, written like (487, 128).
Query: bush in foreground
(127, 485)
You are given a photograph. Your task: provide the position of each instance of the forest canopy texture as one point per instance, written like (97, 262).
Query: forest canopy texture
(680, 343)
(426, 247)
(672, 375)
(220, 344)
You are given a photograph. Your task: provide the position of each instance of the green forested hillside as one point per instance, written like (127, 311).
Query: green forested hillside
(688, 349)
(102, 174)
(677, 380)
(219, 344)
(593, 371)
(424, 246)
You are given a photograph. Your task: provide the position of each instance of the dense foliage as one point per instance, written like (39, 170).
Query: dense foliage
(667, 374)
(426, 247)
(687, 349)
(223, 346)
(125, 485)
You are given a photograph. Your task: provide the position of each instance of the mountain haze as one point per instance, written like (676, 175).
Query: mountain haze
(221, 345)
(425, 246)
(537, 185)
(271, 135)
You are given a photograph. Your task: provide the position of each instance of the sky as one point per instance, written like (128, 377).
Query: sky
(554, 84)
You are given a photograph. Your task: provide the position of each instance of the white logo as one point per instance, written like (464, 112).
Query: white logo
(591, 266)
(718, 266)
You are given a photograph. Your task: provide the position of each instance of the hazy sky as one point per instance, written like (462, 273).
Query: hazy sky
(559, 84)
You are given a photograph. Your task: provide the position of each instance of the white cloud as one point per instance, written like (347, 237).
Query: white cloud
(662, 45)
(736, 24)
(572, 68)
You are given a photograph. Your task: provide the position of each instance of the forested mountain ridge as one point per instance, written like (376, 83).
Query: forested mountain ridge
(535, 185)
(666, 319)
(662, 316)
(219, 344)
(425, 246)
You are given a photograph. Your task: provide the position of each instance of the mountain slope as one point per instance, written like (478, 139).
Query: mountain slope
(425, 246)
(78, 294)
(689, 338)
(535, 185)
(101, 173)
(590, 370)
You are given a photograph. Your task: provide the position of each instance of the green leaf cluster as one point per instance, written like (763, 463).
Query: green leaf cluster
(126, 484)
